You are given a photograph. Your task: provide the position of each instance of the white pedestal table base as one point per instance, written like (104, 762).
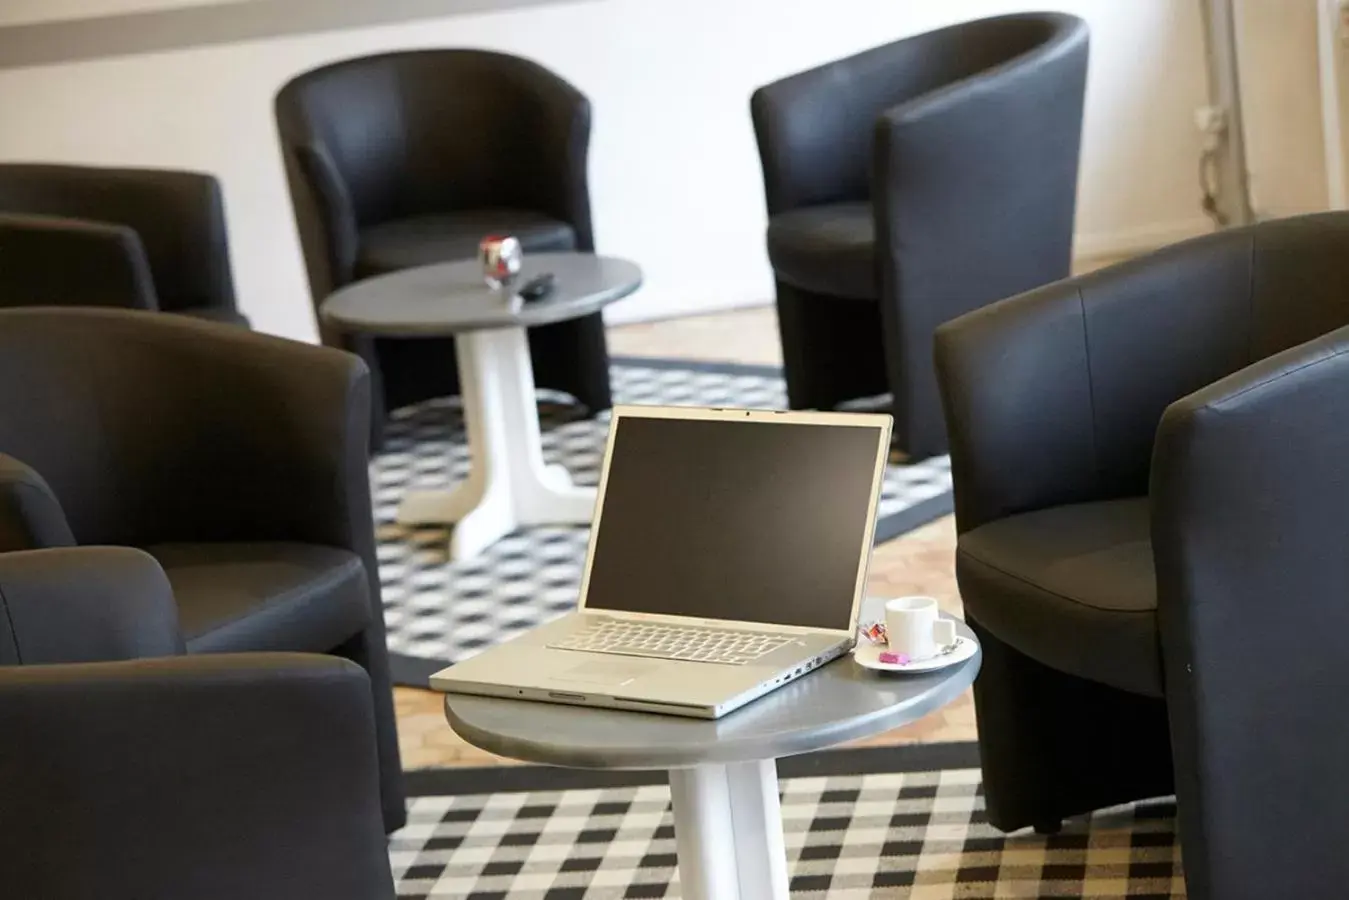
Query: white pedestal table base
(509, 485)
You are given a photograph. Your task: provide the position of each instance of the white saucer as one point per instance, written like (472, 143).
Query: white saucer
(868, 655)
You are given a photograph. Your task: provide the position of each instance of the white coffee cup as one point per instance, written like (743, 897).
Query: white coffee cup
(914, 628)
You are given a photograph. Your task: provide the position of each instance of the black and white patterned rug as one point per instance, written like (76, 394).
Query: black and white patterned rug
(902, 822)
(439, 612)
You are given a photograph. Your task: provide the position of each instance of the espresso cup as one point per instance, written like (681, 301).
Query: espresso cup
(915, 628)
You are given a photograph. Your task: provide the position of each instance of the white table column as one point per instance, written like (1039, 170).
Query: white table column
(509, 485)
(728, 832)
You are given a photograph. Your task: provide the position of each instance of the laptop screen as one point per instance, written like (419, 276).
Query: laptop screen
(755, 521)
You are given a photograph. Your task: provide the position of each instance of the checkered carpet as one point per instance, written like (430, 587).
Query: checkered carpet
(919, 835)
(442, 612)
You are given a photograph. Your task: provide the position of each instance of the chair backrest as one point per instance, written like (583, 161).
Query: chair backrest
(816, 129)
(427, 131)
(132, 418)
(1170, 323)
(421, 131)
(1100, 357)
(179, 217)
(51, 261)
(1055, 396)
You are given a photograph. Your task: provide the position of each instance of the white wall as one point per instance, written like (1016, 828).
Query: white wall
(1281, 105)
(22, 12)
(675, 175)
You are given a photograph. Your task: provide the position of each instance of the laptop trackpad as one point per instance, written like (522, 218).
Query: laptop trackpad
(605, 672)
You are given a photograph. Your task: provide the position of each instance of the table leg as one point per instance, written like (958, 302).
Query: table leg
(728, 832)
(509, 485)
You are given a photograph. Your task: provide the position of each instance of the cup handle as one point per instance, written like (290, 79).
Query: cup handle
(944, 632)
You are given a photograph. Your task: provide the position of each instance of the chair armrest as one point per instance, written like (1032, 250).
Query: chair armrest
(210, 777)
(30, 515)
(85, 604)
(188, 243)
(1054, 396)
(557, 181)
(326, 217)
(1250, 526)
(974, 189)
(52, 261)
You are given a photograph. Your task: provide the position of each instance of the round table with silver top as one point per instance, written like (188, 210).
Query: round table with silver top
(723, 780)
(509, 485)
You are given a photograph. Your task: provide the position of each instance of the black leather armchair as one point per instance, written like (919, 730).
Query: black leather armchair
(132, 772)
(238, 461)
(912, 183)
(1149, 467)
(133, 238)
(408, 159)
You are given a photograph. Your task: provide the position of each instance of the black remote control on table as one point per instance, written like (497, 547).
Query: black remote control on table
(537, 288)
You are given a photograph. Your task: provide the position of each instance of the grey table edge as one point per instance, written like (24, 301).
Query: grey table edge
(586, 283)
(943, 687)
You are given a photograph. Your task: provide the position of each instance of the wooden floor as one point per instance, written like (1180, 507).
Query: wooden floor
(919, 562)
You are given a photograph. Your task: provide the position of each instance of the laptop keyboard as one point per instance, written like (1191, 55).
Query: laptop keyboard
(662, 641)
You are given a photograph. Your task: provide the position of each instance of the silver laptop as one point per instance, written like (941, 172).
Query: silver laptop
(727, 558)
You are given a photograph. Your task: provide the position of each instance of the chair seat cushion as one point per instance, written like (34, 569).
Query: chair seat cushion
(236, 598)
(1072, 587)
(826, 250)
(425, 240)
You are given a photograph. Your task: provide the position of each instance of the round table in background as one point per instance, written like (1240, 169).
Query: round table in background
(509, 485)
(723, 781)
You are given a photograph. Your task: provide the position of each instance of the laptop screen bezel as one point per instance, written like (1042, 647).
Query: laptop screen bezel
(880, 422)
